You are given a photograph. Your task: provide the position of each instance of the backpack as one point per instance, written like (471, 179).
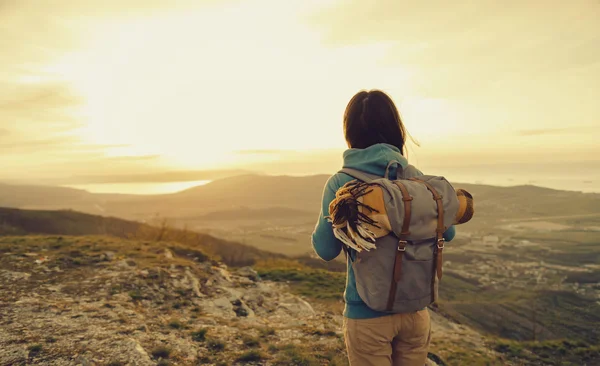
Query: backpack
(396, 227)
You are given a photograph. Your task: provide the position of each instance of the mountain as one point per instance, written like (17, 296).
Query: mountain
(278, 213)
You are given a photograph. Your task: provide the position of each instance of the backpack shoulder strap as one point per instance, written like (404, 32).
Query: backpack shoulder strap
(360, 175)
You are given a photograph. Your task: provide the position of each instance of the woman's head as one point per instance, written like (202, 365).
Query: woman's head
(371, 118)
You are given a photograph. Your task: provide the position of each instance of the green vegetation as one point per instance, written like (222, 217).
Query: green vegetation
(524, 315)
(199, 335)
(583, 277)
(161, 352)
(136, 295)
(266, 332)
(192, 245)
(294, 355)
(215, 345)
(557, 352)
(251, 356)
(176, 324)
(313, 283)
(34, 349)
(251, 341)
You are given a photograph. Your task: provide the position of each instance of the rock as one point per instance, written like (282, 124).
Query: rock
(220, 307)
(254, 300)
(140, 356)
(17, 276)
(109, 256)
(123, 264)
(224, 274)
(195, 283)
(168, 254)
(41, 260)
(297, 307)
(249, 272)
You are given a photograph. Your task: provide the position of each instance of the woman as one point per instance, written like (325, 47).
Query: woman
(375, 135)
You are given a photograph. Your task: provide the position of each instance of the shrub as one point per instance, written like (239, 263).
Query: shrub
(176, 324)
(251, 356)
(266, 332)
(34, 349)
(251, 341)
(215, 345)
(199, 335)
(161, 352)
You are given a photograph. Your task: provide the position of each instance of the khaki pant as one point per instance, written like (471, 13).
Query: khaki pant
(398, 340)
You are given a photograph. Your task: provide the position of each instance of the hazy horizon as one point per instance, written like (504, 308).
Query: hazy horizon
(93, 92)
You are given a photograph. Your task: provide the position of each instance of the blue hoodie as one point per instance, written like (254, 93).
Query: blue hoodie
(374, 160)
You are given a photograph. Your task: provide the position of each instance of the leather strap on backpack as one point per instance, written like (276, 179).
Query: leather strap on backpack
(406, 198)
(440, 226)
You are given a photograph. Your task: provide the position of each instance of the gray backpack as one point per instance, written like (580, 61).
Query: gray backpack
(402, 274)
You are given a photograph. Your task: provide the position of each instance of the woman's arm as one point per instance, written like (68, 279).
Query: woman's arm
(325, 244)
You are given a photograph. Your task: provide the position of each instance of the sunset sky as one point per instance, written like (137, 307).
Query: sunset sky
(92, 89)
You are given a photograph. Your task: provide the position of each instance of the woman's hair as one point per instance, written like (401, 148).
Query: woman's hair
(371, 118)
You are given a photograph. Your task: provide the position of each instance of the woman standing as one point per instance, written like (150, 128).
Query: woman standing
(376, 136)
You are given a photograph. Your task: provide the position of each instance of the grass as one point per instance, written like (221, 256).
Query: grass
(266, 332)
(136, 295)
(295, 356)
(199, 335)
(251, 356)
(215, 345)
(161, 352)
(557, 352)
(35, 349)
(184, 244)
(314, 283)
(176, 324)
(251, 341)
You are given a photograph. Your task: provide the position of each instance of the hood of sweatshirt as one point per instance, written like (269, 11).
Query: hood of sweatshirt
(374, 159)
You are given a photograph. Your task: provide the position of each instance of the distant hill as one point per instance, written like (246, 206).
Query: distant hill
(22, 222)
(263, 197)
(245, 213)
(55, 198)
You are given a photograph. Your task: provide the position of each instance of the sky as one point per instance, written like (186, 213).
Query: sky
(154, 90)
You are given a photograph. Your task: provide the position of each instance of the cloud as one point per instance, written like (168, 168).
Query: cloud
(262, 152)
(558, 131)
(468, 48)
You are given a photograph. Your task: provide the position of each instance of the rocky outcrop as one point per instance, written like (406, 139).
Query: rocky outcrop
(114, 308)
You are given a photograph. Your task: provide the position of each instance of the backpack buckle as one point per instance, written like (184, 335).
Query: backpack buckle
(440, 243)
(402, 245)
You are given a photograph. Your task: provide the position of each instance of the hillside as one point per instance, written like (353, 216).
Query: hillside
(107, 301)
(20, 222)
(98, 300)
